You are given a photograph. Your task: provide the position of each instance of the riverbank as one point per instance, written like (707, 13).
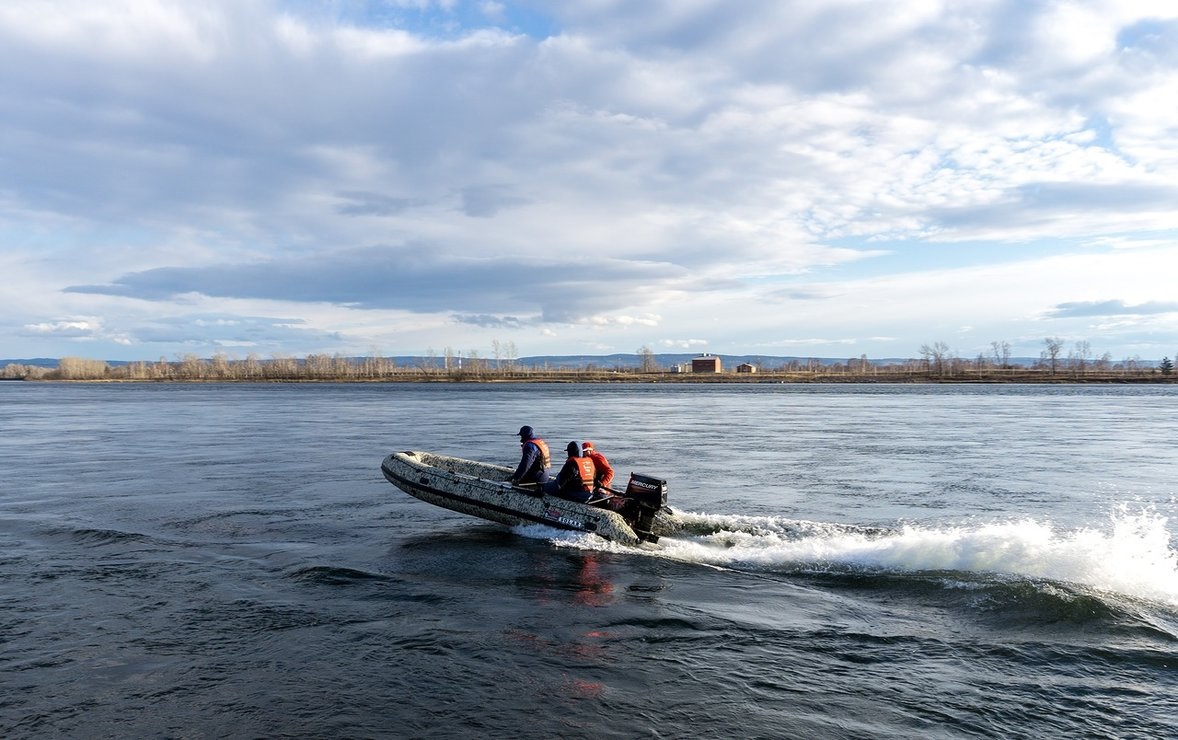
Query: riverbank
(572, 377)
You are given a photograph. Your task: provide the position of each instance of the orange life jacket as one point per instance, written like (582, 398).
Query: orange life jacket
(587, 471)
(545, 458)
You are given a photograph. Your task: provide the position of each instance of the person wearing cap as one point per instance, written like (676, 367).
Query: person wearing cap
(575, 479)
(605, 472)
(534, 460)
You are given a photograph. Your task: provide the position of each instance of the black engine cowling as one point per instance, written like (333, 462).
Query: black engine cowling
(649, 492)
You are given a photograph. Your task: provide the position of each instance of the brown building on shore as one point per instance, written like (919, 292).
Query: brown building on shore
(706, 364)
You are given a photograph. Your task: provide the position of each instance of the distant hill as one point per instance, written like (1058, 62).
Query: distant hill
(35, 362)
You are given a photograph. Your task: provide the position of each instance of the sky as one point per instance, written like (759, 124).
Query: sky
(815, 178)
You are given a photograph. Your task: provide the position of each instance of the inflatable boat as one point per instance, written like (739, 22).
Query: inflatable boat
(638, 514)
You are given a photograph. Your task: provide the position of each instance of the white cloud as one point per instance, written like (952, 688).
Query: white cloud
(66, 328)
(117, 30)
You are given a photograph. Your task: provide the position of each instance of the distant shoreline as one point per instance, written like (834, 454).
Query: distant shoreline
(571, 377)
(707, 369)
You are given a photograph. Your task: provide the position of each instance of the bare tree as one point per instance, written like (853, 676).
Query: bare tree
(17, 371)
(80, 368)
(282, 366)
(1000, 351)
(936, 357)
(646, 362)
(430, 361)
(1052, 347)
(1079, 356)
(219, 366)
(192, 367)
(317, 366)
(475, 362)
(253, 366)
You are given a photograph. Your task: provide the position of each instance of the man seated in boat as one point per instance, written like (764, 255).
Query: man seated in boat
(575, 479)
(604, 474)
(534, 459)
(602, 478)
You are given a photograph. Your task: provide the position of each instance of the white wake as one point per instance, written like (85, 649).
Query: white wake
(1131, 554)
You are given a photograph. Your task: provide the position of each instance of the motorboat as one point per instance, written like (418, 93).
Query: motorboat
(636, 515)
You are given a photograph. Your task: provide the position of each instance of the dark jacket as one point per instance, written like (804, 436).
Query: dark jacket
(574, 478)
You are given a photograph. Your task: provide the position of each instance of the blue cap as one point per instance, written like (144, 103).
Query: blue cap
(525, 432)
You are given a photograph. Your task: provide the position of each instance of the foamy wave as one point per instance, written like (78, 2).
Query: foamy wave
(1131, 556)
(543, 532)
(691, 522)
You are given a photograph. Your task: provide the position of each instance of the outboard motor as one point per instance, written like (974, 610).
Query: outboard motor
(650, 494)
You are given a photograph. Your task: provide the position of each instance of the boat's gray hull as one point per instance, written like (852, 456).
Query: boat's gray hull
(482, 490)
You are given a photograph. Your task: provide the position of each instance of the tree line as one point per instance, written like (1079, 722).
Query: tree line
(937, 361)
(940, 360)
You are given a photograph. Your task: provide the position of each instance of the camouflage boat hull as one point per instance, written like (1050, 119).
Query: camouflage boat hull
(481, 489)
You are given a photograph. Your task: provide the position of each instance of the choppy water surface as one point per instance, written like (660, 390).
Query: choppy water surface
(227, 561)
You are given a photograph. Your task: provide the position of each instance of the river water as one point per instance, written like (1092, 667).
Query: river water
(212, 561)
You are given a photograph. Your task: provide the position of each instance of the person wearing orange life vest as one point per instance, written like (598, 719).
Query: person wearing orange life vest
(534, 458)
(575, 479)
(605, 472)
